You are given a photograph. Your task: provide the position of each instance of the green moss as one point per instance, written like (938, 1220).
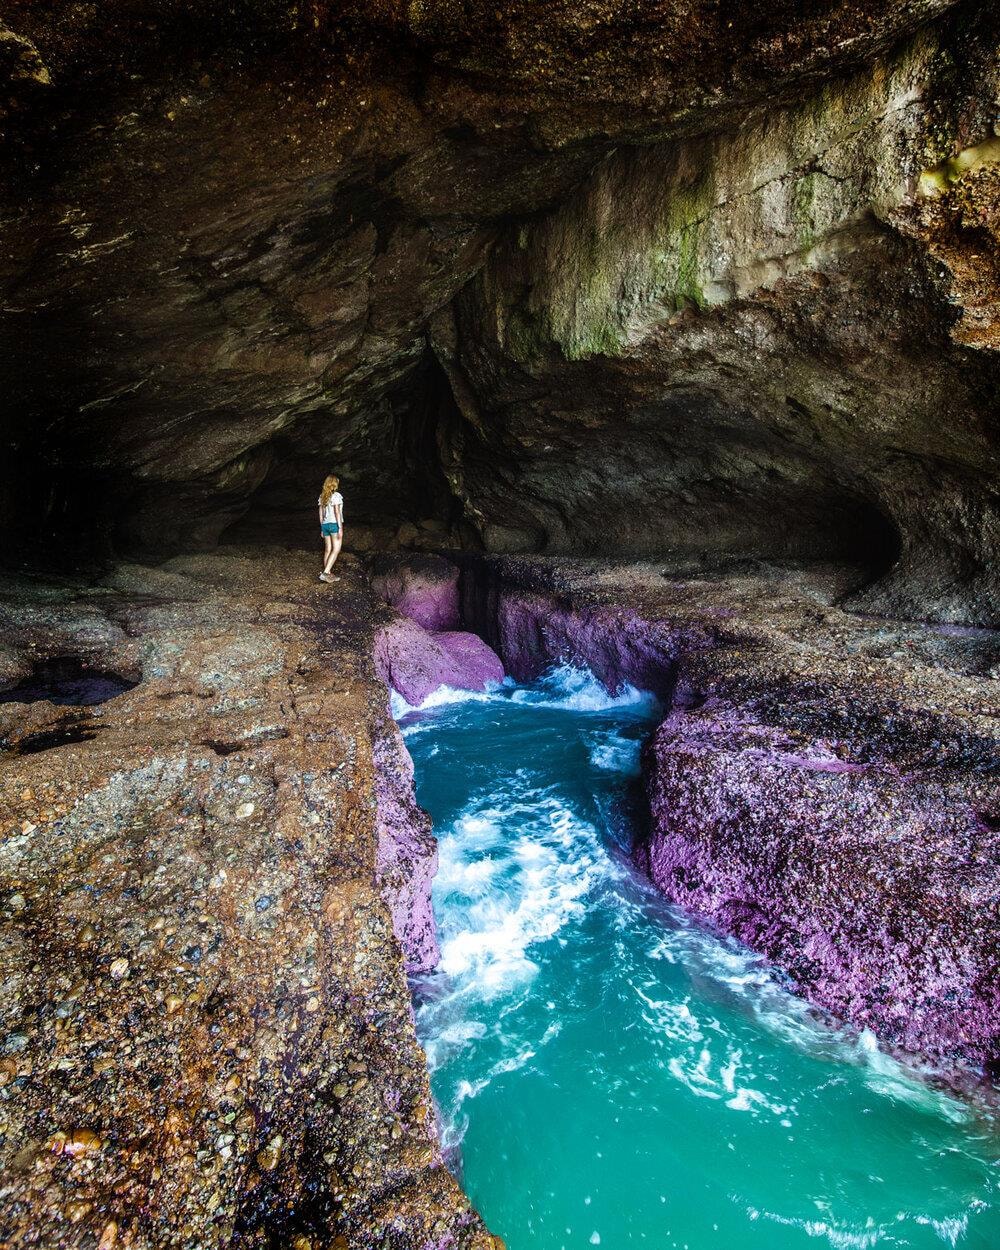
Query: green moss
(677, 270)
(592, 306)
(615, 275)
(597, 338)
(688, 286)
(803, 201)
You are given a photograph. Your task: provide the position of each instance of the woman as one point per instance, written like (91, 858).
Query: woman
(331, 525)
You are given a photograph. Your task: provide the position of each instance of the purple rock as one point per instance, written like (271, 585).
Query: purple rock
(406, 854)
(618, 647)
(867, 874)
(857, 881)
(473, 665)
(415, 662)
(423, 588)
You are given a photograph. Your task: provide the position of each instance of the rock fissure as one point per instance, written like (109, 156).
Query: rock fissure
(778, 742)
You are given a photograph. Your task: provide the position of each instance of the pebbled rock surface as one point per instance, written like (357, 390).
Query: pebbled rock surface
(206, 1035)
(824, 787)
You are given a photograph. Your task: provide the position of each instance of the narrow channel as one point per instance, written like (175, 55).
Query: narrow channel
(608, 1072)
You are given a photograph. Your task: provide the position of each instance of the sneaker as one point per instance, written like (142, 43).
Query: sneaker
(325, 577)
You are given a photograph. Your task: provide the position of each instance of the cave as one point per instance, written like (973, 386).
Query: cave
(724, 323)
(660, 340)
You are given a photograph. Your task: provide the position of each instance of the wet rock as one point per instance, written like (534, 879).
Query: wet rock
(415, 662)
(865, 877)
(406, 854)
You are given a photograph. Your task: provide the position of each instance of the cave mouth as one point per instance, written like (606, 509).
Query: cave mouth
(693, 480)
(68, 681)
(420, 471)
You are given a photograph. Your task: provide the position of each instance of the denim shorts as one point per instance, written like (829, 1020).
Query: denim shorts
(329, 527)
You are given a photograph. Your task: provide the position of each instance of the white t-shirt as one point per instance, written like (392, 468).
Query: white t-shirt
(329, 513)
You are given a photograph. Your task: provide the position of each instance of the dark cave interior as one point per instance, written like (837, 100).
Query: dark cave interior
(724, 326)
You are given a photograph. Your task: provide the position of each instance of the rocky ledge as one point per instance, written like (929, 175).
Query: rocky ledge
(207, 1036)
(825, 787)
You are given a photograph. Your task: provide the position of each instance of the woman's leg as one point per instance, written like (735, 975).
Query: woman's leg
(331, 556)
(327, 546)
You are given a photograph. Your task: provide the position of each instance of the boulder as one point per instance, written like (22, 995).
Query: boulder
(414, 662)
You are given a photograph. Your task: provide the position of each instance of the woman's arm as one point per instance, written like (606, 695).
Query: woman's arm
(339, 509)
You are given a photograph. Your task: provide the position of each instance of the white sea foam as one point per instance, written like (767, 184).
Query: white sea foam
(535, 890)
(790, 1018)
(839, 1237)
(950, 1229)
(616, 754)
(564, 686)
(513, 880)
(576, 689)
(442, 697)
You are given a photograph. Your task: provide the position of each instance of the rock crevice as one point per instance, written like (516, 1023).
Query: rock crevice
(825, 789)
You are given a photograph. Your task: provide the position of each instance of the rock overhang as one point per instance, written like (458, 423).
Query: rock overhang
(515, 297)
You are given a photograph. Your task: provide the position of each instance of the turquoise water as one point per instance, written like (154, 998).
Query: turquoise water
(610, 1074)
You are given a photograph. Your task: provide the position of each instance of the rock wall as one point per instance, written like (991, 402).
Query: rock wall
(776, 339)
(406, 853)
(853, 854)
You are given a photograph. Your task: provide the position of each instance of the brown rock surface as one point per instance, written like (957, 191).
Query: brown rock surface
(207, 1036)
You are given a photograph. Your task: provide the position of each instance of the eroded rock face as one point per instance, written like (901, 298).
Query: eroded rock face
(206, 1033)
(825, 788)
(622, 280)
(419, 648)
(423, 588)
(775, 340)
(845, 855)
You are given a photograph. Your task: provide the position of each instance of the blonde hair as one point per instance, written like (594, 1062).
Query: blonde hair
(329, 486)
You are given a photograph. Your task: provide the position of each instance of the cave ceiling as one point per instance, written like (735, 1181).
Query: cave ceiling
(646, 278)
